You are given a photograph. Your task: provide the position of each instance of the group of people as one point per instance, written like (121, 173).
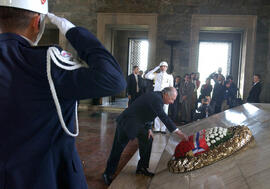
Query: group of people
(212, 99)
(188, 106)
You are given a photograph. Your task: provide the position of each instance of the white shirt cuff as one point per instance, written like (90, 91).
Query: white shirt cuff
(176, 130)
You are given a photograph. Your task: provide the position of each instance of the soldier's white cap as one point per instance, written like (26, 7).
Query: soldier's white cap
(163, 63)
(39, 6)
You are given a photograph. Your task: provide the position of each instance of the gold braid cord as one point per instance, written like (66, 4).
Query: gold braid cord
(242, 136)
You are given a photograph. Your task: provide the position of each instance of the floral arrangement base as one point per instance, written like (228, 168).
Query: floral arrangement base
(241, 136)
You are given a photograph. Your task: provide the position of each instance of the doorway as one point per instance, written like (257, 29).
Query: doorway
(243, 24)
(212, 56)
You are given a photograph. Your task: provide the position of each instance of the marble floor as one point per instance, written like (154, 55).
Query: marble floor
(248, 168)
(127, 177)
(94, 145)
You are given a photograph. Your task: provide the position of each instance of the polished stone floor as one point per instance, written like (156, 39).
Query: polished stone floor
(248, 168)
(94, 144)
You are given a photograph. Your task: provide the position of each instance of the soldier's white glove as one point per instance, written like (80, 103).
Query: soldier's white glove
(156, 68)
(63, 24)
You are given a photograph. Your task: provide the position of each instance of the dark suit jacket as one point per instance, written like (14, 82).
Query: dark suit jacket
(132, 85)
(218, 93)
(254, 93)
(35, 152)
(206, 91)
(145, 109)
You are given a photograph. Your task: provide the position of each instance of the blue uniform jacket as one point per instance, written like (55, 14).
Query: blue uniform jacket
(35, 152)
(143, 110)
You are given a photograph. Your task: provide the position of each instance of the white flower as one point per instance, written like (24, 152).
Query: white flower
(212, 136)
(224, 133)
(216, 134)
(221, 136)
(217, 138)
(213, 141)
(208, 144)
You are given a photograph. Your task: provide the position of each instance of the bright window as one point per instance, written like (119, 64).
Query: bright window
(138, 54)
(213, 55)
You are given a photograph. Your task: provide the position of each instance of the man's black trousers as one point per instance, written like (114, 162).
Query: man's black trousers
(119, 144)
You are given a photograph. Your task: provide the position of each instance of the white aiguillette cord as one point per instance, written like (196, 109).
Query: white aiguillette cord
(54, 54)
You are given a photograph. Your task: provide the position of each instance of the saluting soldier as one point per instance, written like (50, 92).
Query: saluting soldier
(39, 89)
(162, 80)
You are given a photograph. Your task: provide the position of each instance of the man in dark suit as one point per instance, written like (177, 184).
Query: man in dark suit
(218, 94)
(39, 89)
(134, 85)
(132, 123)
(175, 107)
(186, 92)
(254, 93)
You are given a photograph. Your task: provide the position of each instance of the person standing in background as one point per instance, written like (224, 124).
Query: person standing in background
(206, 89)
(134, 85)
(255, 91)
(230, 92)
(218, 94)
(175, 107)
(162, 80)
(196, 82)
(186, 91)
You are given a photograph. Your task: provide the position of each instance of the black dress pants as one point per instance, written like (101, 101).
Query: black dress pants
(174, 110)
(119, 144)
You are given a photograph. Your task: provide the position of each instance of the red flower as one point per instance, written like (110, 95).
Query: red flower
(182, 148)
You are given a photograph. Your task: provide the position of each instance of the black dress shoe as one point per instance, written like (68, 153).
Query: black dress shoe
(107, 179)
(163, 132)
(156, 132)
(144, 171)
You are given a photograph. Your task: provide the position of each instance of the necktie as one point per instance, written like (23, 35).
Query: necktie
(137, 83)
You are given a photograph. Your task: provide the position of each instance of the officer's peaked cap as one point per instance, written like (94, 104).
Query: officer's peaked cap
(163, 63)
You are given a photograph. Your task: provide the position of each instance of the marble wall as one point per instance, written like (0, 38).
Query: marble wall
(174, 23)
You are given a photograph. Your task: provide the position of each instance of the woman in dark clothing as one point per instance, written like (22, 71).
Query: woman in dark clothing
(205, 90)
(218, 94)
(230, 94)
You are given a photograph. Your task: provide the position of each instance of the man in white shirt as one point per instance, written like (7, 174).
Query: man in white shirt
(162, 80)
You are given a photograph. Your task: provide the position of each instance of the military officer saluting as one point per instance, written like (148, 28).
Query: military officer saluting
(39, 89)
(162, 80)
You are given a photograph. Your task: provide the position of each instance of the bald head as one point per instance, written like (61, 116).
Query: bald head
(169, 95)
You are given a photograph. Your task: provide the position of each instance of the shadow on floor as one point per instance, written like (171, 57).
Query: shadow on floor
(94, 144)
